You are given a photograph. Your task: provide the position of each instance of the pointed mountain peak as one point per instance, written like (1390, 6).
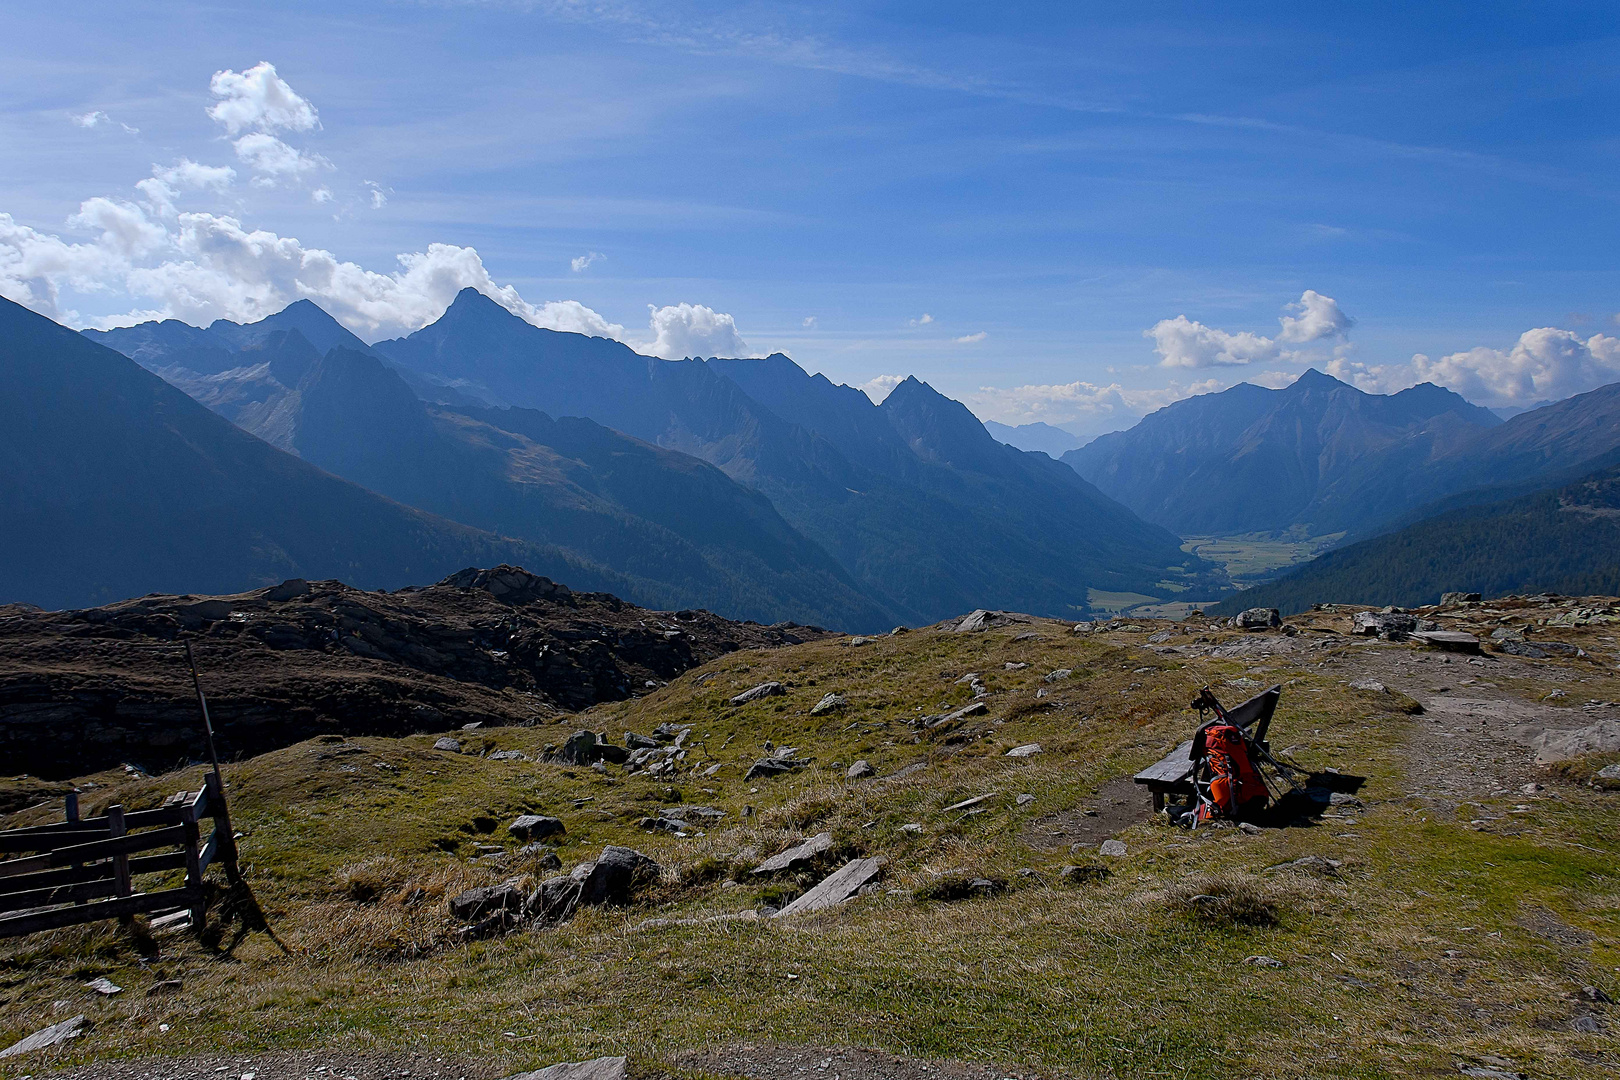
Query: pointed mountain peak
(1316, 379)
(937, 427)
(472, 304)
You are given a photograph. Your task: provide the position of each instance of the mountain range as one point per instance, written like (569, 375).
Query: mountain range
(1049, 440)
(748, 486)
(113, 483)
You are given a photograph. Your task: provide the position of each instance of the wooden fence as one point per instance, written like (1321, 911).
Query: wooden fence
(84, 870)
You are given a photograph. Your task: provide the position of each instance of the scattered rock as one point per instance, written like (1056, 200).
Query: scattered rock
(837, 887)
(1609, 772)
(1449, 641)
(1024, 800)
(56, 1033)
(1083, 628)
(1387, 625)
(774, 766)
(104, 985)
(897, 631)
(607, 1068)
(1594, 995)
(967, 804)
(535, 827)
(1086, 874)
(1368, 684)
(1258, 618)
(1263, 961)
(1114, 848)
(588, 747)
(632, 741)
(860, 641)
(477, 903)
(763, 690)
(1014, 665)
(1488, 1072)
(509, 755)
(1590, 1025)
(545, 857)
(1449, 598)
(1249, 827)
(1059, 675)
(911, 827)
(800, 853)
(860, 770)
(1027, 750)
(448, 745)
(829, 704)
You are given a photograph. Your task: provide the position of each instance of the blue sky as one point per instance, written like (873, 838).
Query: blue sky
(1004, 200)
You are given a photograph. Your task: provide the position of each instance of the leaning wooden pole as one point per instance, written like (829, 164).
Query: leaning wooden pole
(225, 840)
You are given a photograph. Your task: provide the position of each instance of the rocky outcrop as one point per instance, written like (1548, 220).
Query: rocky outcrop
(86, 690)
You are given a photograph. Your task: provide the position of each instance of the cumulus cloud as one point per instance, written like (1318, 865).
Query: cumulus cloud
(582, 262)
(971, 339)
(259, 100)
(274, 159)
(924, 320)
(1544, 364)
(321, 195)
(877, 389)
(1185, 343)
(681, 330)
(809, 322)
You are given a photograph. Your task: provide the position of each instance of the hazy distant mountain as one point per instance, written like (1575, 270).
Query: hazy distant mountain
(1319, 454)
(679, 531)
(1564, 540)
(1052, 441)
(930, 526)
(114, 483)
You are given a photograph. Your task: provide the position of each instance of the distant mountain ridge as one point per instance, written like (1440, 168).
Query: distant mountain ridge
(1564, 540)
(114, 483)
(1317, 454)
(1048, 439)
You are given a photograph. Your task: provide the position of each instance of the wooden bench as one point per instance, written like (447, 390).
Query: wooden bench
(1173, 773)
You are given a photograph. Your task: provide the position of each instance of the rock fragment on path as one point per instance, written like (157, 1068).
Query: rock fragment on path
(606, 1068)
(836, 888)
(799, 853)
(763, 690)
(39, 1040)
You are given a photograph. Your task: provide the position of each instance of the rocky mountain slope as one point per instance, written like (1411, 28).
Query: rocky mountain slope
(1318, 454)
(1564, 540)
(89, 689)
(114, 483)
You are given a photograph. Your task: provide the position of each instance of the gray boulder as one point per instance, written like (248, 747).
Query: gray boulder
(1258, 618)
(607, 1068)
(477, 903)
(535, 827)
(763, 690)
(632, 741)
(1459, 598)
(860, 770)
(774, 766)
(828, 704)
(448, 745)
(796, 855)
(1388, 625)
(588, 747)
(615, 877)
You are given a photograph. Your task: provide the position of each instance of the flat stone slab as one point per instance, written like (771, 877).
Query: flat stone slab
(606, 1068)
(837, 887)
(1448, 640)
(967, 804)
(1025, 751)
(800, 853)
(39, 1040)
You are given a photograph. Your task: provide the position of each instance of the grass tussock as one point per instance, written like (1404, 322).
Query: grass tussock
(1228, 899)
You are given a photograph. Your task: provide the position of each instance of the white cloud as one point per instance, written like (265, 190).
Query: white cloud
(1184, 343)
(273, 158)
(971, 339)
(1081, 407)
(1544, 364)
(923, 321)
(681, 330)
(321, 195)
(809, 322)
(1317, 318)
(379, 198)
(97, 118)
(259, 100)
(877, 389)
(582, 262)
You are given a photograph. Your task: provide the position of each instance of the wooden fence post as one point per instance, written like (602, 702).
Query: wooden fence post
(70, 813)
(115, 828)
(194, 877)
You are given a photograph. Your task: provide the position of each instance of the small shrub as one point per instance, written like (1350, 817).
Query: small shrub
(1226, 900)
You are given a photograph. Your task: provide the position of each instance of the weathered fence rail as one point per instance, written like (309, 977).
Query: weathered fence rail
(84, 870)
